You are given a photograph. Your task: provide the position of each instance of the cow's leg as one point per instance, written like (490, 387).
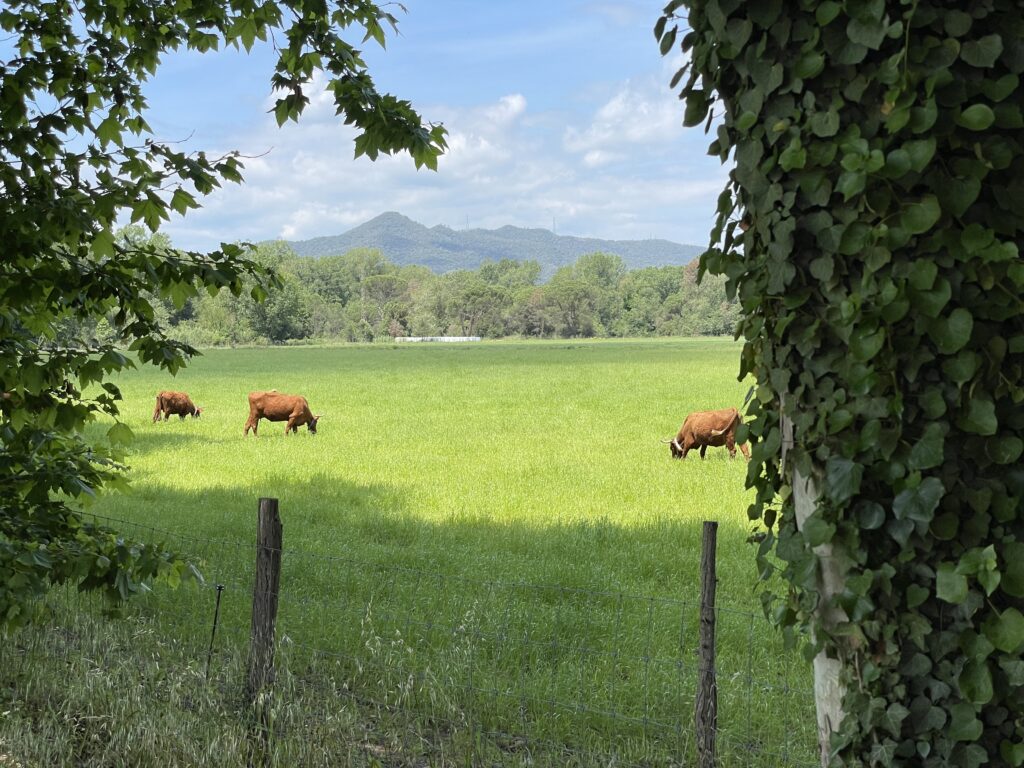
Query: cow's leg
(745, 450)
(291, 426)
(730, 443)
(251, 423)
(181, 417)
(703, 450)
(167, 415)
(687, 445)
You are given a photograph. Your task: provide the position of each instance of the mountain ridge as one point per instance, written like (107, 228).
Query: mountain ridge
(443, 249)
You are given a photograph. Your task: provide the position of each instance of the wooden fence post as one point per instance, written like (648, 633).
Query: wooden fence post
(264, 598)
(706, 707)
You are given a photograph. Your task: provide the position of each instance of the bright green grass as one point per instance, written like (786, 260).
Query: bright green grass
(488, 536)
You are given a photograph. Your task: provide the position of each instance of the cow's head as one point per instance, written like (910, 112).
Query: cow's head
(312, 424)
(677, 450)
(196, 413)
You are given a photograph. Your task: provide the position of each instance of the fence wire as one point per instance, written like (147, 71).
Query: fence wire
(433, 668)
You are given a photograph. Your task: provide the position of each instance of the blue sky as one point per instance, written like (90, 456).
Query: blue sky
(559, 115)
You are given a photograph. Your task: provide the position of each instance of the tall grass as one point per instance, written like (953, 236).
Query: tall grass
(484, 539)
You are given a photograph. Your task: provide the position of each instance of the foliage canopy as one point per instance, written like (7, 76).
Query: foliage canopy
(76, 153)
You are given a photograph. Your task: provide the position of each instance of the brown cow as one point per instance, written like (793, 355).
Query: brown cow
(273, 406)
(704, 428)
(174, 402)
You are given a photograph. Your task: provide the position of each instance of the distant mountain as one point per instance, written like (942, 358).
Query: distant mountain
(404, 241)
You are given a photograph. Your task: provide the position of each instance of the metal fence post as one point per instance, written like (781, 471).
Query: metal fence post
(706, 709)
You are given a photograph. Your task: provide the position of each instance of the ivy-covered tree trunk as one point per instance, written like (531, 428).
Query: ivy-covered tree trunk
(871, 231)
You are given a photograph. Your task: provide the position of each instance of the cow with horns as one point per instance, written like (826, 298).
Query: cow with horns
(708, 428)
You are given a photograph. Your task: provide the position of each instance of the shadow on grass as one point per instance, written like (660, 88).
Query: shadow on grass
(578, 636)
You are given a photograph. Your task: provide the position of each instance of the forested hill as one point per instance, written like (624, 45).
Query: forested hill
(443, 249)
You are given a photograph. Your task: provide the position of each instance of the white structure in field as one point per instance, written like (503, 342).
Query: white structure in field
(437, 338)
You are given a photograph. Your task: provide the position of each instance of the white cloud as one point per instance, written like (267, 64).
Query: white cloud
(623, 170)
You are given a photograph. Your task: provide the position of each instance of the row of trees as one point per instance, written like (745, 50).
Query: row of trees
(361, 296)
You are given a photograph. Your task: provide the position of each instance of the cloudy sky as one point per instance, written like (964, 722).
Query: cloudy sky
(559, 116)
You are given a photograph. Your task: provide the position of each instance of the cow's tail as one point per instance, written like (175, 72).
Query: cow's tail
(157, 409)
(737, 419)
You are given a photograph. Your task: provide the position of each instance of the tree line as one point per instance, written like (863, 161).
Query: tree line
(360, 296)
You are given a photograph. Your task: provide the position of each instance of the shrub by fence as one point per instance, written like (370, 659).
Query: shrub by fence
(407, 666)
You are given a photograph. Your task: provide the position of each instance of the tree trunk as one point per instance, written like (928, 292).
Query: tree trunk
(828, 693)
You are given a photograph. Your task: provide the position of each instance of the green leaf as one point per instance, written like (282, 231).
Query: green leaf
(919, 504)
(949, 585)
(851, 184)
(921, 216)
(746, 121)
(916, 595)
(1013, 569)
(696, 108)
(1012, 753)
(952, 333)
(120, 434)
(928, 451)
(964, 725)
(869, 32)
(864, 346)
(980, 417)
(793, 157)
(1006, 631)
(1005, 450)
(181, 201)
(668, 41)
(923, 273)
(842, 479)
(817, 531)
(920, 152)
(976, 682)
(826, 12)
(824, 124)
(958, 195)
(982, 52)
(811, 64)
(103, 243)
(978, 117)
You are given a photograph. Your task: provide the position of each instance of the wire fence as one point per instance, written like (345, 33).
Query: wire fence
(434, 668)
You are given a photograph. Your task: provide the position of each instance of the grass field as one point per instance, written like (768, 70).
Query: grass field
(486, 539)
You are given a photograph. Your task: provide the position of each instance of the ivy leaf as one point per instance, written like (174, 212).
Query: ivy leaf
(977, 117)
(921, 216)
(1004, 450)
(950, 334)
(826, 12)
(950, 585)
(919, 504)
(1006, 631)
(869, 32)
(982, 52)
(976, 682)
(1013, 569)
(980, 417)
(842, 479)
(928, 451)
(865, 346)
(817, 531)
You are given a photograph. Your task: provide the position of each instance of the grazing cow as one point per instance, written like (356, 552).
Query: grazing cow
(174, 402)
(273, 406)
(704, 428)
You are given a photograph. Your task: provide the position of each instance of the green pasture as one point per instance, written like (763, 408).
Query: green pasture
(484, 539)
